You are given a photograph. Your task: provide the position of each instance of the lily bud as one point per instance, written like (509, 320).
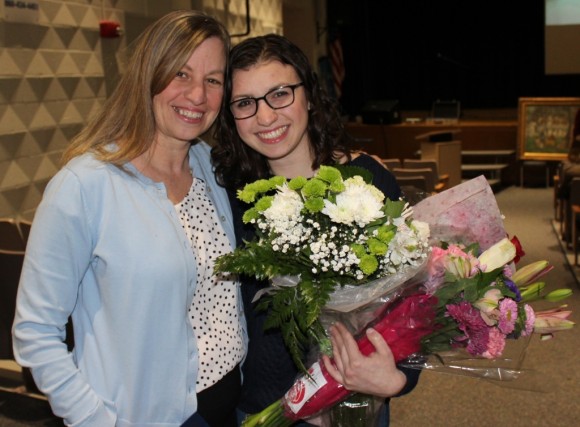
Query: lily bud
(529, 273)
(498, 255)
(552, 320)
(558, 295)
(532, 292)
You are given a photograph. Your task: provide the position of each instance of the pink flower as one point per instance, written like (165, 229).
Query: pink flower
(530, 320)
(452, 260)
(495, 344)
(436, 269)
(508, 314)
(462, 265)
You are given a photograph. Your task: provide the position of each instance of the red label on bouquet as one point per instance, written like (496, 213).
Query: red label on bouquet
(296, 393)
(304, 388)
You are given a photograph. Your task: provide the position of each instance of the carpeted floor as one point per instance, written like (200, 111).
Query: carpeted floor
(442, 400)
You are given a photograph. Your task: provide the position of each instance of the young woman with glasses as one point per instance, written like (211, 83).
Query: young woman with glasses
(277, 120)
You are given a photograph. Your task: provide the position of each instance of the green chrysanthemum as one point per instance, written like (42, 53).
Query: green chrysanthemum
(264, 203)
(249, 215)
(376, 247)
(297, 183)
(246, 195)
(337, 186)
(314, 204)
(385, 233)
(314, 188)
(368, 264)
(358, 249)
(276, 181)
(329, 174)
(249, 193)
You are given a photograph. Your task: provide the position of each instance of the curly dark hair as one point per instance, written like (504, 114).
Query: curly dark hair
(235, 162)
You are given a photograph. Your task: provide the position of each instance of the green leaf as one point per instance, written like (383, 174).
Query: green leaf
(348, 171)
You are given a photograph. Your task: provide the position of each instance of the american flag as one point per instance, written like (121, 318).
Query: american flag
(337, 65)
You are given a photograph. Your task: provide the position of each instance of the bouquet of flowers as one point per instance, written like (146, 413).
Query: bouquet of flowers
(333, 238)
(319, 240)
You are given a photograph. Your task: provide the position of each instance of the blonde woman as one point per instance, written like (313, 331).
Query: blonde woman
(124, 237)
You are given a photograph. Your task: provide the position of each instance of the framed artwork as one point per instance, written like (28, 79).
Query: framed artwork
(545, 127)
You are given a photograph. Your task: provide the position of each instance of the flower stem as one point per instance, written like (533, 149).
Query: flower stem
(272, 416)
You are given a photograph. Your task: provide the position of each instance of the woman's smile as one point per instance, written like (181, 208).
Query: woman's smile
(273, 136)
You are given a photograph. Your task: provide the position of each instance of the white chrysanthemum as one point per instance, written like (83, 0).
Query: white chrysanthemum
(422, 229)
(287, 204)
(359, 203)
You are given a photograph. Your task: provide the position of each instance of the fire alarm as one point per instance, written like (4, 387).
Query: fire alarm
(110, 29)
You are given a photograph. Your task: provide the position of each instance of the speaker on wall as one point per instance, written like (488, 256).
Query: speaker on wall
(381, 111)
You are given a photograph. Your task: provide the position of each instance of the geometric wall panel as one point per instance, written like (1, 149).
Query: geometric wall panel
(29, 148)
(53, 40)
(58, 109)
(46, 169)
(9, 121)
(56, 90)
(39, 87)
(65, 34)
(69, 86)
(30, 166)
(34, 35)
(8, 88)
(48, 12)
(26, 112)
(10, 145)
(37, 64)
(56, 74)
(32, 197)
(17, 60)
(14, 176)
(43, 137)
(14, 198)
(9, 65)
(52, 59)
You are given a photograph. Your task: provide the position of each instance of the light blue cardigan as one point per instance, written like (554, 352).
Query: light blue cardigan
(107, 248)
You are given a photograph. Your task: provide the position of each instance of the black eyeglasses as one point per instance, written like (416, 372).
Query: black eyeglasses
(277, 98)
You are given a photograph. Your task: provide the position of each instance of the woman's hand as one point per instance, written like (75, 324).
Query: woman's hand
(376, 374)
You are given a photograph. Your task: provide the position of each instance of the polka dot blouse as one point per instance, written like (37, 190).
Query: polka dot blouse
(214, 311)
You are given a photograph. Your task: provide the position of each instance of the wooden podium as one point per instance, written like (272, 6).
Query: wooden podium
(446, 150)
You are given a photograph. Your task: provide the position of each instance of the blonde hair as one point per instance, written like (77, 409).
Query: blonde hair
(127, 117)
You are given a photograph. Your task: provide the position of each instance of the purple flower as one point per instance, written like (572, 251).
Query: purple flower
(470, 322)
(513, 287)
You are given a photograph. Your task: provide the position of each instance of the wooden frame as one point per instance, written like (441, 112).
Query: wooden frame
(545, 127)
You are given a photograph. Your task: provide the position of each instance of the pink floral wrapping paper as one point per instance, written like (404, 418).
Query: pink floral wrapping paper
(468, 211)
